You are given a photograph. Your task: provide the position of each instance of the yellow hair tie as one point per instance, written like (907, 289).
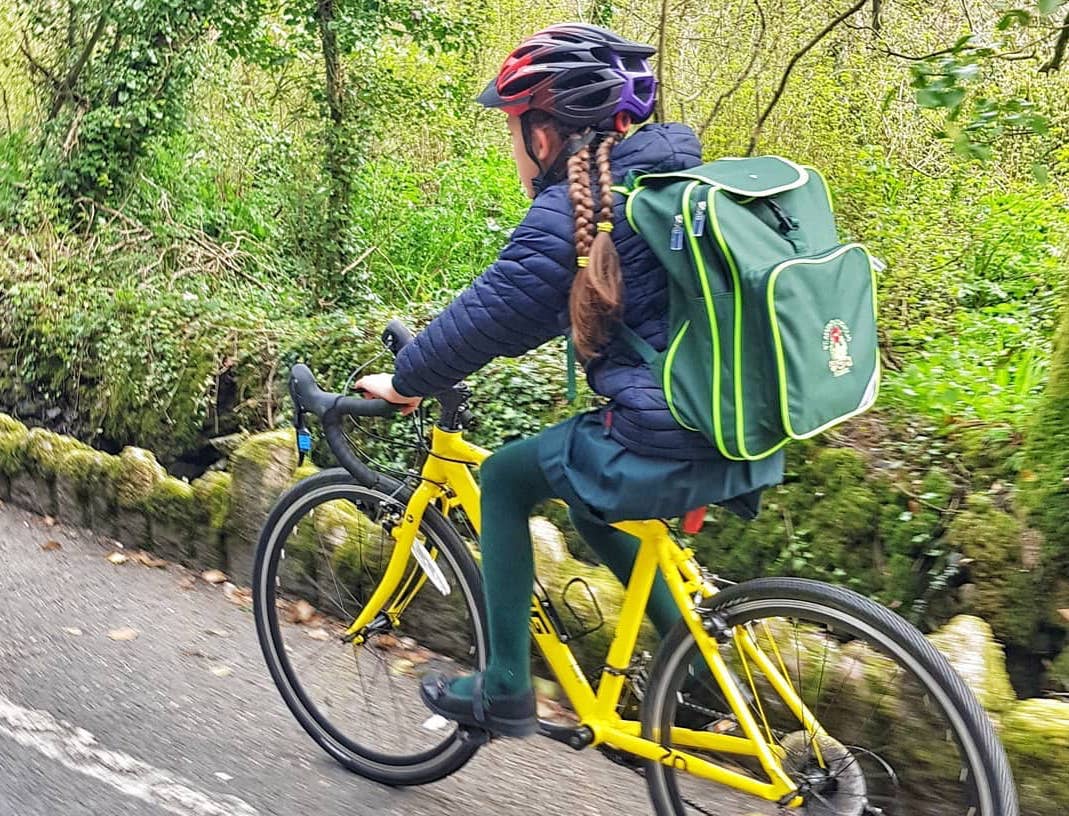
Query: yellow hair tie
(582, 260)
(604, 226)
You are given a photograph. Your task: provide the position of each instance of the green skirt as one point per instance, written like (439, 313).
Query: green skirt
(591, 471)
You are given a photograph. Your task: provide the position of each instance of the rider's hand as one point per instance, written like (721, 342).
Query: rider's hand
(381, 386)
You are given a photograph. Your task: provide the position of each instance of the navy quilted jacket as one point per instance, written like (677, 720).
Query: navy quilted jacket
(521, 301)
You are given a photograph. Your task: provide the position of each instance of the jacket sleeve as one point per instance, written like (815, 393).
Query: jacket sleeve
(511, 308)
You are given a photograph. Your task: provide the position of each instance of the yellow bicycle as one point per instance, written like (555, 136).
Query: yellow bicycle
(772, 696)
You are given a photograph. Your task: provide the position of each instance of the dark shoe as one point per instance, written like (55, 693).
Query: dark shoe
(506, 715)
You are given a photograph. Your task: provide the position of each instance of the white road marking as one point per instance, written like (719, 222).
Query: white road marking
(77, 749)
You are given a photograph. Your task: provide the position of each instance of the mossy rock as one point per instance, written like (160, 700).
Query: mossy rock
(303, 472)
(13, 452)
(175, 501)
(138, 475)
(45, 451)
(8, 424)
(1006, 593)
(261, 469)
(270, 448)
(970, 646)
(93, 472)
(1044, 477)
(212, 491)
(1036, 736)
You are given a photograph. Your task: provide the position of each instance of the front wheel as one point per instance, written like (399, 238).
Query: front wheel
(322, 553)
(902, 734)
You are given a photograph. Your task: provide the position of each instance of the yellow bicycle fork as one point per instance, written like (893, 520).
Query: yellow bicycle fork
(447, 483)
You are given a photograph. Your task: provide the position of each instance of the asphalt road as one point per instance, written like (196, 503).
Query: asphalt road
(184, 719)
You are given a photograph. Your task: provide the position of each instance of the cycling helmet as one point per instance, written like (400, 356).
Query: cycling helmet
(582, 75)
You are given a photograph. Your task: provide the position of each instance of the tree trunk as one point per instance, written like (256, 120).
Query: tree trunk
(338, 152)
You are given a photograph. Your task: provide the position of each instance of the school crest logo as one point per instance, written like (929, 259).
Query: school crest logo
(837, 344)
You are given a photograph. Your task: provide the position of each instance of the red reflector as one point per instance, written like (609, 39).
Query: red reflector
(693, 521)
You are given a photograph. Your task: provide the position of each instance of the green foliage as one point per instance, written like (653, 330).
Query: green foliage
(430, 231)
(106, 103)
(15, 169)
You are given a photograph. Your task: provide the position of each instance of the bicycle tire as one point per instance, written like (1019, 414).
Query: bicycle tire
(892, 636)
(331, 485)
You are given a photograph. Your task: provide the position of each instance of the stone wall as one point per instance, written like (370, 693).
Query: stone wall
(214, 522)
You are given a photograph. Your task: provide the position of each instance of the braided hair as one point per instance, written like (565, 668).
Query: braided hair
(597, 291)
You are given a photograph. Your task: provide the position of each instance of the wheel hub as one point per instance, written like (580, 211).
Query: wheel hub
(831, 780)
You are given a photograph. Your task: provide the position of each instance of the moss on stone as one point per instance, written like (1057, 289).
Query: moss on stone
(1006, 592)
(138, 475)
(212, 492)
(174, 502)
(304, 471)
(970, 646)
(12, 452)
(1036, 736)
(9, 424)
(45, 450)
(272, 447)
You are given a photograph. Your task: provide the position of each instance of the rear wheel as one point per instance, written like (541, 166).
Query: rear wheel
(321, 554)
(904, 735)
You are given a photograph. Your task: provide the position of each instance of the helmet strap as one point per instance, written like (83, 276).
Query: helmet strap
(557, 170)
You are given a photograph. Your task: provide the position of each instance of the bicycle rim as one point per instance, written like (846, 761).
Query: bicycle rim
(322, 554)
(902, 734)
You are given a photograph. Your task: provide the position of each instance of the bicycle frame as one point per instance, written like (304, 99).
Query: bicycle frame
(447, 482)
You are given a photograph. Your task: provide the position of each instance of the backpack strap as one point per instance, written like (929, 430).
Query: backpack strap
(637, 344)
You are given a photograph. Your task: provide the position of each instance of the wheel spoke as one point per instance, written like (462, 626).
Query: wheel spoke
(358, 699)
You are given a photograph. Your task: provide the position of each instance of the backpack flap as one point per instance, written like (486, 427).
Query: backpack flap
(759, 177)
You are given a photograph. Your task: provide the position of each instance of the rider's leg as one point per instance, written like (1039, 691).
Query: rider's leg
(617, 550)
(512, 484)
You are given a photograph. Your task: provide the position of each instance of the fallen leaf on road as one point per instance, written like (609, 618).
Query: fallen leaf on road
(49, 521)
(318, 634)
(213, 576)
(188, 582)
(241, 596)
(125, 633)
(221, 671)
(51, 544)
(72, 630)
(118, 558)
(302, 612)
(148, 559)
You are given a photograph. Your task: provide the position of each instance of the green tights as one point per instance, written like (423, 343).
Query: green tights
(512, 485)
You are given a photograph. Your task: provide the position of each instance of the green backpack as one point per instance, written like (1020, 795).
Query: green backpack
(772, 321)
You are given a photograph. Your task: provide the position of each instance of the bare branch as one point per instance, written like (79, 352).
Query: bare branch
(1055, 62)
(745, 75)
(63, 92)
(805, 49)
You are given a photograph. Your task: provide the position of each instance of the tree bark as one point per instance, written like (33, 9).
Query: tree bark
(338, 151)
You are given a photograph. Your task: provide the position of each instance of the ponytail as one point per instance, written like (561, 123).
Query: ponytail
(597, 291)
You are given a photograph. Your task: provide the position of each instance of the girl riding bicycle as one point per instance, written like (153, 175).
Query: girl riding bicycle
(579, 100)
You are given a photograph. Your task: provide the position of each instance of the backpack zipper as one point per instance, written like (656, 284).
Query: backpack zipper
(676, 240)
